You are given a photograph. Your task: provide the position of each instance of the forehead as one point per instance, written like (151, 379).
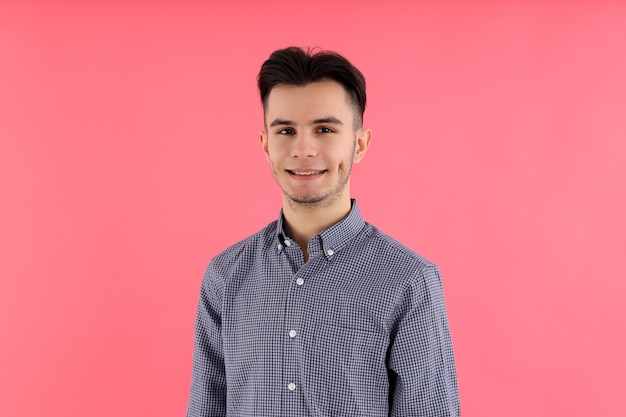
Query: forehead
(321, 98)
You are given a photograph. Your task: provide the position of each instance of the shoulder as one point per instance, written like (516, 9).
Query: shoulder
(394, 254)
(398, 267)
(243, 252)
(415, 281)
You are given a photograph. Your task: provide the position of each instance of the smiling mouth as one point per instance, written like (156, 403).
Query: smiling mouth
(305, 173)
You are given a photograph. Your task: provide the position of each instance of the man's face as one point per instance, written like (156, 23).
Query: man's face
(310, 142)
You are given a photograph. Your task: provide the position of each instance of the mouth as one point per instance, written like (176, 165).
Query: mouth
(306, 173)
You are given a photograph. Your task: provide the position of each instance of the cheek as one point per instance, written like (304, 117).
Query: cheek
(276, 156)
(277, 150)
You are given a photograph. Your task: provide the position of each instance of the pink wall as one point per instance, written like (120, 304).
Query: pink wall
(129, 157)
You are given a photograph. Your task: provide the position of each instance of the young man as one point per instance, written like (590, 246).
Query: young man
(319, 313)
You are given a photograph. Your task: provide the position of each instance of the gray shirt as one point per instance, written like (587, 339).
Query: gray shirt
(358, 330)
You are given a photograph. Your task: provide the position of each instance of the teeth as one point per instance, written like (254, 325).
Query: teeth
(306, 172)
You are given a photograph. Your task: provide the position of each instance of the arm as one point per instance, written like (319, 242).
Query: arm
(420, 360)
(208, 379)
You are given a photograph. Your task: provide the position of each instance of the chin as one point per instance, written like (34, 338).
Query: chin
(307, 199)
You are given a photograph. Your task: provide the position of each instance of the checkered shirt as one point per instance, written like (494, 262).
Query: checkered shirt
(358, 330)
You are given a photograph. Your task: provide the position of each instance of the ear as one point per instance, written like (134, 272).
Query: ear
(363, 139)
(263, 137)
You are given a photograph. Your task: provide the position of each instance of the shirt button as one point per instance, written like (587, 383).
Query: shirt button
(330, 252)
(292, 333)
(299, 281)
(279, 246)
(287, 242)
(291, 386)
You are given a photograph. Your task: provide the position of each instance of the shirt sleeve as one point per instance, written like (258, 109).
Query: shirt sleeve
(421, 365)
(208, 380)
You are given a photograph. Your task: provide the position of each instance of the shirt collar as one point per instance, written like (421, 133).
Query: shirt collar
(333, 239)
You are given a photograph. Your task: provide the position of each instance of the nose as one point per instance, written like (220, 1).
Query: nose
(303, 146)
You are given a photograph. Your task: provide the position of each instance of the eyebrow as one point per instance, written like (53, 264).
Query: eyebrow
(324, 120)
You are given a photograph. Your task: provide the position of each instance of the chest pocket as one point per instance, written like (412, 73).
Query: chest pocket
(344, 369)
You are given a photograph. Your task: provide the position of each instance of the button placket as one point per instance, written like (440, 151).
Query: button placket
(292, 345)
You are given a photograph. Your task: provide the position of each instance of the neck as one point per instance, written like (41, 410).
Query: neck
(304, 221)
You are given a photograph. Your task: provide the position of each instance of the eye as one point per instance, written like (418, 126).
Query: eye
(286, 131)
(325, 130)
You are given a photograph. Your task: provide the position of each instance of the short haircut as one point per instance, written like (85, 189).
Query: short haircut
(294, 66)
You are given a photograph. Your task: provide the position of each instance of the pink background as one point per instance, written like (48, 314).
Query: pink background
(129, 156)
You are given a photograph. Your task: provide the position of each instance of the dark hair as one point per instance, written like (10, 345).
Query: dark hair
(294, 66)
